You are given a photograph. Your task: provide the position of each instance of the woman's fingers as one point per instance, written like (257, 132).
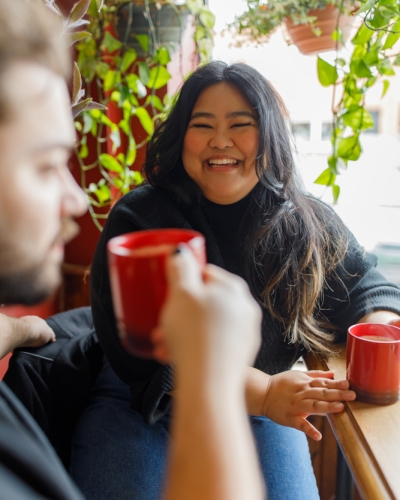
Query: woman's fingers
(324, 394)
(314, 406)
(302, 424)
(329, 383)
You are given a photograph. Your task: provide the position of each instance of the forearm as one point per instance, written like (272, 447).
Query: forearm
(13, 332)
(257, 383)
(379, 317)
(212, 451)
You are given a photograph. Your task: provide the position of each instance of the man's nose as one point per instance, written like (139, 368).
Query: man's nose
(75, 202)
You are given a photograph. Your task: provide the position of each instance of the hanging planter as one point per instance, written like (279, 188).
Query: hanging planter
(166, 25)
(318, 37)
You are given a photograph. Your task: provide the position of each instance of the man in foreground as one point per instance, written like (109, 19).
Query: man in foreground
(211, 457)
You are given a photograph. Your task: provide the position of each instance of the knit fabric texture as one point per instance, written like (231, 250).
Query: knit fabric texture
(356, 289)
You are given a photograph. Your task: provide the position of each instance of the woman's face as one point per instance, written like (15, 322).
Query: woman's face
(220, 145)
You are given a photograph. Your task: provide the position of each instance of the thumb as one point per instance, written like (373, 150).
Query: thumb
(183, 270)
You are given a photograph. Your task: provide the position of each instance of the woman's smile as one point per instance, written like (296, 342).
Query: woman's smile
(220, 145)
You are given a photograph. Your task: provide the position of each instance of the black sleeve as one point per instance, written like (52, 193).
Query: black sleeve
(148, 380)
(29, 467)
(54, 381)
(355, 289)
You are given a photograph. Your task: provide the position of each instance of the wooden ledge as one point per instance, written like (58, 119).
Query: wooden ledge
(369, 437)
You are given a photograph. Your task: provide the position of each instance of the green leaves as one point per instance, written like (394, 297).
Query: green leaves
(128, 59)
(327, 74)
(194, 5)
(207, 18)
(145, 120)
(72, 38)
(78, 11)
(349, 148)
(358, 119)
(162, 56)
(158, 77)
(326, 178)
(143, 42)
(368, 5)
(129, 87)
(110, 44)
(363, 35)
(386, 84)
(110, 163)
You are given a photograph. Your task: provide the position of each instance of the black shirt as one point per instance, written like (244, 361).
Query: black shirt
(29, 467)
(226, 224)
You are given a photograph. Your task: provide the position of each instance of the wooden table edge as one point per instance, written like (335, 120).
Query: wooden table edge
(366, 472)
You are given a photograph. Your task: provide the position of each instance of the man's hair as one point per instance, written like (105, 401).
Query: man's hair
(30, 32)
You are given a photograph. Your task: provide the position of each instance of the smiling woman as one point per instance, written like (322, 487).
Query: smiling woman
(222, 164)
(220, 146)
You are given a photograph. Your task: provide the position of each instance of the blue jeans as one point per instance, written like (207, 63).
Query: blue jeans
(117, 456)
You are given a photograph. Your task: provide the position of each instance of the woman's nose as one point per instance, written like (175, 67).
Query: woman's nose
(221, 140)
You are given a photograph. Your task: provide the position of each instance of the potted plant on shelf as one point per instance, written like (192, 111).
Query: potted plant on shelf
(309, 23)
(369, 62)
(125, 65)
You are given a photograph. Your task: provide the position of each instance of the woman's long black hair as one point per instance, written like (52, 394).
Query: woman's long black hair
(294, 241)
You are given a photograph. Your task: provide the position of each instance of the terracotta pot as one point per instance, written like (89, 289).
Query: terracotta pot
(307, 42)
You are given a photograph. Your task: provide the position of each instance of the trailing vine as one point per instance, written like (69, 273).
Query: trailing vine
(127, 81)
(371, 62)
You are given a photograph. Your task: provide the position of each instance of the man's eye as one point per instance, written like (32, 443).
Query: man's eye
(48, 168)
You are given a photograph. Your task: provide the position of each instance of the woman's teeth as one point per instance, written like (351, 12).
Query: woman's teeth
(225, 161)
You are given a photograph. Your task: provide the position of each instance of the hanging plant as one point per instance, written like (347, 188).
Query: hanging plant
(369, 64)
(263, 17)
(124, 70)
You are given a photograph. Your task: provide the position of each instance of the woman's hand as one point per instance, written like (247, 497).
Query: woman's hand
(288, 398)
(294, 395)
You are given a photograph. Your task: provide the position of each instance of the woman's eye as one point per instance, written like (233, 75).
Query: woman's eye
(241, 124)
(201, 125)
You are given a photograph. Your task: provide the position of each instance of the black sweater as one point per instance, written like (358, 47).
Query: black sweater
(359, 290)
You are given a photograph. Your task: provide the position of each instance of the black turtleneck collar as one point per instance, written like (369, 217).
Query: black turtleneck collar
(226, 224)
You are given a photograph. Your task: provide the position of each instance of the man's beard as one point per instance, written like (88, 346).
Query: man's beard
(34, 284)
(27, 287)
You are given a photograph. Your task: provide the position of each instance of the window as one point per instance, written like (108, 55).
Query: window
(326, 131)
(375, 128)
(301, 131)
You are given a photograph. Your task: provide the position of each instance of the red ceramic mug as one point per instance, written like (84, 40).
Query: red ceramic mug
(138, 280)
(373, 362)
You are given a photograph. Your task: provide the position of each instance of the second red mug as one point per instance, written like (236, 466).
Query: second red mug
(373, 362)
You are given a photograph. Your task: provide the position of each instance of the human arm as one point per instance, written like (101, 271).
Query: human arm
(212, 453)
(388, 317)
(27, 331)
